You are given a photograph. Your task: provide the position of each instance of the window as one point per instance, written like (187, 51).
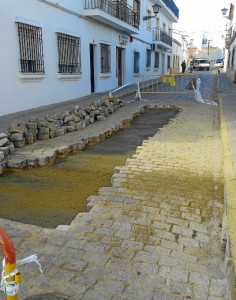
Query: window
(31, 48)
(156, 62)
(105, 58)
(232, 60)
(136, 7)
(168, 61)
(136, 62)
(69, 56)
(148, 58)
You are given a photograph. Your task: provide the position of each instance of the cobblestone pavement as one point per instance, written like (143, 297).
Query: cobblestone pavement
(153, 234)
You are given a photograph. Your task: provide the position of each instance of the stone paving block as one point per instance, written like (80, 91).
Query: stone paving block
(110, 286)
(218, 288)
(179, 288)
(177, 221)
(191, 217)
(183, 231)
(199, 227)
(143, 256)
(162, 226)
(125, 253)
(135, 291)
(172, 245)
(178, 275)
(94, 294)
(172, 261)
(184, 256)
(188, 242)
(155, 282)
(200, 293)
(199, 279)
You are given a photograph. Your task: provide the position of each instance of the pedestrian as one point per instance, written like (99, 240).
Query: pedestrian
(183, 65)
(191, 67)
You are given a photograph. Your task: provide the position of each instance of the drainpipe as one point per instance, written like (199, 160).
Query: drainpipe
(10, 265)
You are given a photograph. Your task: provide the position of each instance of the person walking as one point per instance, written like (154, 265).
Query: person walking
(183, 65)
(191, 67)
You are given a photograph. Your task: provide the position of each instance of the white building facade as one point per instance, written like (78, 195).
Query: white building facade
(230, 44)
(57, 50)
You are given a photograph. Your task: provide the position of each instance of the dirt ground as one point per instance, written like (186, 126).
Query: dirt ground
(54, 195)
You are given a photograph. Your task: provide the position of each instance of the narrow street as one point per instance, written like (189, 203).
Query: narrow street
(155, 233)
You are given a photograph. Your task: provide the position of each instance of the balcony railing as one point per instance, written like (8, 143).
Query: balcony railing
(172, 7)
(161, 36)
(118, 9)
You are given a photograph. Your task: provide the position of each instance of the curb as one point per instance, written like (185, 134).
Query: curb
(229, 221)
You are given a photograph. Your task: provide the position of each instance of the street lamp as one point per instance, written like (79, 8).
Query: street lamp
(224, 12)
(156, 8)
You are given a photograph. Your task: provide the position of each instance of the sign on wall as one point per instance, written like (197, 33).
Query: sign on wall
(123, 39)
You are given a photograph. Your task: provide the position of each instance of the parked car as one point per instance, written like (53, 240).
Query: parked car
(201, 64)
(219, 63)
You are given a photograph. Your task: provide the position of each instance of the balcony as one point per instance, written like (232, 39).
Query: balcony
(169, 9)
(162, 39)
(172, 7)
(116, 14)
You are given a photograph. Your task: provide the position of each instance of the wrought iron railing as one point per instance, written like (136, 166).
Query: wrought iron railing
(161, 36)
(118, 9)
(171, 5)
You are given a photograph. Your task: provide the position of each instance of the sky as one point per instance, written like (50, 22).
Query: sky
(198, 17)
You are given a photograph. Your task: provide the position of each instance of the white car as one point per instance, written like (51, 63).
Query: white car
(201, 64)
(219, 63)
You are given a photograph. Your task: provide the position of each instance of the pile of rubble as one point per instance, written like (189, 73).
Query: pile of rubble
(18, 135)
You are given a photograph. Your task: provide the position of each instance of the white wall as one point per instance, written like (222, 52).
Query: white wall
(20, 91)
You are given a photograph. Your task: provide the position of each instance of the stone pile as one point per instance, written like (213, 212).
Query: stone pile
(19, 134)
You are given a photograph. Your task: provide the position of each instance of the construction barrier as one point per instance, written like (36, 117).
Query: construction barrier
(175, 83)
(10, 276)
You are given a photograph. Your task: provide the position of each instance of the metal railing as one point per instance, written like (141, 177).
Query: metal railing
(159, 35)
(118, 9)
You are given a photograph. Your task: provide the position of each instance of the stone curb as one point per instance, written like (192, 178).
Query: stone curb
(228, 224)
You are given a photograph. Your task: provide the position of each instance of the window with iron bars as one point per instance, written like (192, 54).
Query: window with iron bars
(105, 58)
(136, 62)
(156, 61)
(168, 61)
(148, 58)
(69, 54)
(31, 48)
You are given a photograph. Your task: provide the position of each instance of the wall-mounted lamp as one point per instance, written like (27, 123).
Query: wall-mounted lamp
(156, 8)
(224, 12)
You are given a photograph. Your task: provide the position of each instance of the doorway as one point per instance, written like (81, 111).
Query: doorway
(119, 65)
(92, 81)
(163, 63)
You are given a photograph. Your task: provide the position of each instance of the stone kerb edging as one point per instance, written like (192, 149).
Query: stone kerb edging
(228, 237)
(18, 161)
(19, 134)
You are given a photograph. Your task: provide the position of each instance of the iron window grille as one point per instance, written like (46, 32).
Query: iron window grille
(69, 54)
(105, 58)
(148, 58)
(31, 48)
(156, 62)
(136, 62)
(168, 61)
